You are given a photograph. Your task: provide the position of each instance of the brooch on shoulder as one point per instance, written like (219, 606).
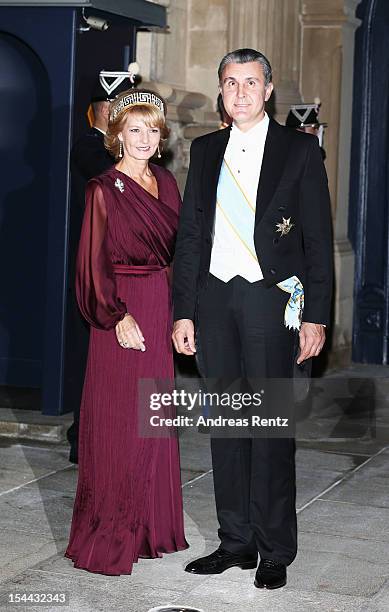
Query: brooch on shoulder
(119, 185)
(284, 227)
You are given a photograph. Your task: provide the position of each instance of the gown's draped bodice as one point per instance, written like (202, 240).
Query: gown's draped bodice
(124, 225)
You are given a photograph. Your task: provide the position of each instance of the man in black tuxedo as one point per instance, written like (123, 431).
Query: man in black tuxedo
(256, 216)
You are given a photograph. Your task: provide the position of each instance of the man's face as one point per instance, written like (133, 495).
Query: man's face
(105, 108)
(101, 112)
(244, 93)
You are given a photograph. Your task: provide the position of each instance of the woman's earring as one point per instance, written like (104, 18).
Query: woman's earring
(159, 153)
(120, 148)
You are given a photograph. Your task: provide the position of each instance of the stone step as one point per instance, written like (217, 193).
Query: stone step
(32, 425)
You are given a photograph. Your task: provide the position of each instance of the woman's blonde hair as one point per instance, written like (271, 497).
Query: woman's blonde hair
(150, 114)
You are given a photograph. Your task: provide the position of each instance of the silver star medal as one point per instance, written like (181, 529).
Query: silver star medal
(119, 185)
(284, 227)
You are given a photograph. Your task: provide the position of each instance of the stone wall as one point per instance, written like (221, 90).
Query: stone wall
(327, 56)
(181, 64)
(272, 27)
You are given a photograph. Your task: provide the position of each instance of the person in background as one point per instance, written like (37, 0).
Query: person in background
(225, 119)
(89, 156)
(88, 159)
(305, 118)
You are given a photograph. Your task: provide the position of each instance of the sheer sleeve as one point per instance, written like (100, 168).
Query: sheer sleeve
(95, 280)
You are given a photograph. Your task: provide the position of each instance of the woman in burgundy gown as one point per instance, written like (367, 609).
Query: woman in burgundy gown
(128, 503)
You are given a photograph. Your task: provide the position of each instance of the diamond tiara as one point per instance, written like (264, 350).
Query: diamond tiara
(136, 97)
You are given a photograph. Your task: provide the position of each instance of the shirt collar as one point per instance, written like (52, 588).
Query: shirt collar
(254, 135)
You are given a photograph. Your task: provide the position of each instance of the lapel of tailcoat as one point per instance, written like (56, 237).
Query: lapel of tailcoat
(273, 164)
(211, 170)
(274, 159)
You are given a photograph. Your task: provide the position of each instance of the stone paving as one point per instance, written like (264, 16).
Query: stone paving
(343, 516)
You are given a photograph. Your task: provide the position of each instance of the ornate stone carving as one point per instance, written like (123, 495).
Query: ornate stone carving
(188, 115)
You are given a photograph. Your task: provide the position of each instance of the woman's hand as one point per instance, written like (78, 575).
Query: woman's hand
(129, 335)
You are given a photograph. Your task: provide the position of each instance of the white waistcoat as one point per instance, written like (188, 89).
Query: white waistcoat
(243, 155)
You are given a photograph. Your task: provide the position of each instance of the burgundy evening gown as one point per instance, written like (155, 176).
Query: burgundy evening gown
(128, 503)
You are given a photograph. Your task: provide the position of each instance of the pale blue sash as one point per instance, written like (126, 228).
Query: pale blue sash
(295, 306)
(236, 208)
(239, 213)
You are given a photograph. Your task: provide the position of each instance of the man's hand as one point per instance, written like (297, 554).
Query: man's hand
(312, 338)
(183, 336)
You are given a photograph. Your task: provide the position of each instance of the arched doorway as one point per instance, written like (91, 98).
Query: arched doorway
(24, 145)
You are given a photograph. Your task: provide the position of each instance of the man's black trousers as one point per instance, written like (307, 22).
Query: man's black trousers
(240, 333)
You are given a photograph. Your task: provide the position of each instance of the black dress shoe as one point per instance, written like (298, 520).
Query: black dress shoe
(221, 560)
(270, 575)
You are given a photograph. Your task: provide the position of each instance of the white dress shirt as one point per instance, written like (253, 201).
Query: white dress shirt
(99, 130)
(244, 155)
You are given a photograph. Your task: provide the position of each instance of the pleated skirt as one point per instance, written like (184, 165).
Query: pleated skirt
(128, 503)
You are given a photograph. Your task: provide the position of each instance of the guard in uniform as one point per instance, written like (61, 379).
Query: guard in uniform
(89, 158)
(305, 118)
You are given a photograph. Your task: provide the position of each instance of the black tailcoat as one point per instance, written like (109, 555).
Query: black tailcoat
(293, 184)
(89, 156)
(241, 332)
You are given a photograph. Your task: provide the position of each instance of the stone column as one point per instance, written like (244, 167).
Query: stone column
(327, 60)
(162, 55)
(272, 27)
(166, 66)
(207, 44)
(182, 65)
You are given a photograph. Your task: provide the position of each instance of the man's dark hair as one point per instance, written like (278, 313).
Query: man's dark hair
(242, 56)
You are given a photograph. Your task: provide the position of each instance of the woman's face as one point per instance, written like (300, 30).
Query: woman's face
(139, 141)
